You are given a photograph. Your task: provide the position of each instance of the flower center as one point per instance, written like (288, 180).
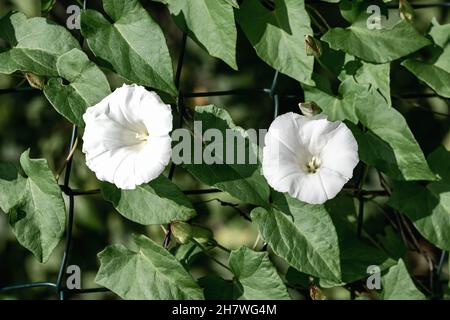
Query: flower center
(313, 165)
(142, 136)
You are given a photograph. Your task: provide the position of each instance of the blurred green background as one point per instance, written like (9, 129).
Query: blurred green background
(27, 120)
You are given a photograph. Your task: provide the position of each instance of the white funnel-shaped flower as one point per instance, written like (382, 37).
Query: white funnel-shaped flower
(126, 139)
(309, 158)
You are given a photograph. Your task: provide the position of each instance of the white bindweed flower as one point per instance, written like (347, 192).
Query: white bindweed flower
(126, 139)
(309, 158)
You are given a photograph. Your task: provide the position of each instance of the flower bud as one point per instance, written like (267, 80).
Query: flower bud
(313, 46)
(35, 81)
(309, 108)
(316, 293)
(184, 232)
(181, 231)
(406, 11)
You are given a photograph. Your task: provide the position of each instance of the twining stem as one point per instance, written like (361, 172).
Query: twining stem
(167, 234)
(372, 193)
(381, 209)
(235, 206)
(410, 232)
(206, 253)
(360, 218)
(418, 248)
(325, 67)
(402, 232)
(405, 230)
(373, 241)
(407, 99)
(384, 183)
(69, 156)
(317, 13)
(398, 223)
(319, 25)
(441, 263)
(76, 192)
(166, 241)
(218, 245)
(256, 241)
(201, 191)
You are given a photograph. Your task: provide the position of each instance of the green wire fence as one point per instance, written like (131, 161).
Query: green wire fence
(58, 286)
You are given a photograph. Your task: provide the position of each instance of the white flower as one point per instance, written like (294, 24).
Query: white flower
(309, 158)
(126, 139)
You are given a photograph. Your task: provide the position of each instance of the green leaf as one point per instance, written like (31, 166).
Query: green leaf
(147, 271)
(317, 240)
(187, 253)
(441, 38)
(133, 44)
(256, 276)
(217, 288)
(428, 206)
(376, 75)
(398, 285)
(377, 45)
(297, 278)
(341, 107)
(307, 240)
(352, 10)
(392, 242)
(211, 23)
(279, 36)
(87, 86)
(242, 181)
(34, 205)
(436, 74)
(34, 44)
(158, 202)
(233, 3)
(438, 79)
(11, 186)
(389, 145)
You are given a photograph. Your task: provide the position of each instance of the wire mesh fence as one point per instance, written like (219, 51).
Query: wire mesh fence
(58, 286)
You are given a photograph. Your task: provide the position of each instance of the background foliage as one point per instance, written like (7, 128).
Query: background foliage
(390, 86)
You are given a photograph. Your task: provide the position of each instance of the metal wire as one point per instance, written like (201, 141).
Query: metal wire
(70, 219)
(271, 92)
(28, 286)
(422, 5)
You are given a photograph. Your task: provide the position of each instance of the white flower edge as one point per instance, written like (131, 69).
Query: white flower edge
(309, 158)
(127, 137)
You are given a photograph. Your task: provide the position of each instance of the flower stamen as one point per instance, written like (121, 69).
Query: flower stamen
(313, 165)
(142, 136)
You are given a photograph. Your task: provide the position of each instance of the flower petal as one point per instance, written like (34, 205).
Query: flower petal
(108, 166)
(101, 134)
(316, 132)
(284, 129)
(152, 159)
(157, 115)
(312, 190)
(340, 154)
